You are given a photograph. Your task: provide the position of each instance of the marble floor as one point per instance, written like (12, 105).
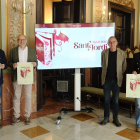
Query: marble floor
(73, 126)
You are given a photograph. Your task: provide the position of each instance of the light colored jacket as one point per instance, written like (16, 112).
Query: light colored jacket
(121, 65)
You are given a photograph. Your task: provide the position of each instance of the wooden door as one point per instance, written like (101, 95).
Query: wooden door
(124, 18)
(122, 26)
(63, 12)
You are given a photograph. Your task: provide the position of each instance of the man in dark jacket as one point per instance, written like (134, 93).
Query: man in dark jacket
(3, 65)
(136, 70)
(22, 53)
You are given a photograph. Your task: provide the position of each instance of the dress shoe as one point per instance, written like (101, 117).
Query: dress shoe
(15, 120)
(138, 129)
(105, 121)
(27, 120)
(116, 122)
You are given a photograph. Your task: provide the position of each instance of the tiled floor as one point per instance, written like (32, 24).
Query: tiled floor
(73, 126)
(34, 131)
(82, 117)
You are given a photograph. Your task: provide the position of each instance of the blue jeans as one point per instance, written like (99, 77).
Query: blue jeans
(137, 111)
(107, 87)
(0, 99)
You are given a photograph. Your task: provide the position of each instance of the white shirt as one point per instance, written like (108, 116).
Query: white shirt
(23, 54)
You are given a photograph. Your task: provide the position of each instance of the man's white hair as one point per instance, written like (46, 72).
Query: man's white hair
(112, 37)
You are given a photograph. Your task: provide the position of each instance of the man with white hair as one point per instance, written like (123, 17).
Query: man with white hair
(113, 66)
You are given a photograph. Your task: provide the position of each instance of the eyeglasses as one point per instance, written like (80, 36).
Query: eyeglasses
(21, 40)
(112, 42)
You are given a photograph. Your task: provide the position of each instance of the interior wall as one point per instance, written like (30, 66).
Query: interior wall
(93, 11)
(138, 25)
(136, 22)
(8, 32)
(2, 25)
(30, 25)
(47, 11)
(31, 20)
(89, 11)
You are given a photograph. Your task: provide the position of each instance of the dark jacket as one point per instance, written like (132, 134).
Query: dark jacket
(2, 61)
(136, 63)
(14, 59)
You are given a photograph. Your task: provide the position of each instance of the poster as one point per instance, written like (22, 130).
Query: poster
(133, 85)
(25, 73)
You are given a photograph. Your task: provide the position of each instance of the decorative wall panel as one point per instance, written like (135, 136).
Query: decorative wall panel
(128, 3)
(14, 25)
(98, 10)
(98, 7)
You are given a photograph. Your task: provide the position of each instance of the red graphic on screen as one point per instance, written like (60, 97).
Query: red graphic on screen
(45, 45)
(61, 37)
(44, 49)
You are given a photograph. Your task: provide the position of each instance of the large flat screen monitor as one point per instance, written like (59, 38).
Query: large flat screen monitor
(64, 46)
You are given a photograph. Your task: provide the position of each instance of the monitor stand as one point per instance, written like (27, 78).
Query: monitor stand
(77, 99)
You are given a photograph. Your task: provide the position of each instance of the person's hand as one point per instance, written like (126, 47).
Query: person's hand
(2, 66)
(34, 64)
(134, 72)
(15, 65)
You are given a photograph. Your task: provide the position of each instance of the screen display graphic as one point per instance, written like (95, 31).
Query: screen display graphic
(62, 46)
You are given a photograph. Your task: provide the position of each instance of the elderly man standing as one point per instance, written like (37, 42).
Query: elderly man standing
(113, 66)
(22, 53)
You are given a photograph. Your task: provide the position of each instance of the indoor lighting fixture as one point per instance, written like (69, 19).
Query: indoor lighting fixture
(17, 7)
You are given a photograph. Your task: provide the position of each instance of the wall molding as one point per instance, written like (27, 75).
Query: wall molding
(98, 10)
